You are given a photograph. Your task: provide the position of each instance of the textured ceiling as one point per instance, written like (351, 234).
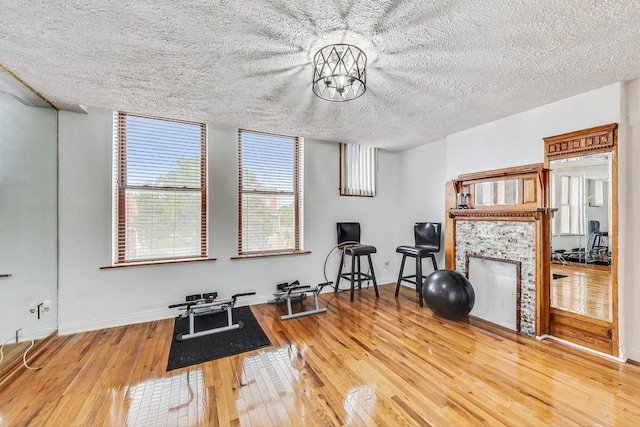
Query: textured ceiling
(435, 67)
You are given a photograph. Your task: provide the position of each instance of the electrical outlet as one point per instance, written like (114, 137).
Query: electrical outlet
(46, 305)
(33, 307)
(386, 263)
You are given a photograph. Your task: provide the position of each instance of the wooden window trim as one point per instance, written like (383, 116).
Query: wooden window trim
(121, 125)
(269, 254)
(157, 262)
(297, 196)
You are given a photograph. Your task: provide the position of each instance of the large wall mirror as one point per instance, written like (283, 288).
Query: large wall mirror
(583, 196)
(28, 219)
(580, 241)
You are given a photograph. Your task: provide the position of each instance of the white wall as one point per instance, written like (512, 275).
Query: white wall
(27, 218)
(421, 181)
(629, 210)
(92, 298)
(518, 139)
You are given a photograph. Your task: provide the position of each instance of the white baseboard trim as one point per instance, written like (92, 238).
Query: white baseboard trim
(152, 314)
(27, 335)
(586, 349)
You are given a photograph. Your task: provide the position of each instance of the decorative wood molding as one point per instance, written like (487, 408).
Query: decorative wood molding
(501, 173)
(497, 214)
(588, 140)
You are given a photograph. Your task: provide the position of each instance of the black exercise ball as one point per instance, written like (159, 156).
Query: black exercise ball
(449, 294)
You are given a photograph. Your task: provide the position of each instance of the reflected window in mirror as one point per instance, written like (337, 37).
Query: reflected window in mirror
(496, 193)
(596, 192)
(579, 192)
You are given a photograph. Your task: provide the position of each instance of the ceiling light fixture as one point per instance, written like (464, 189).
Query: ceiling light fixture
(339, 72)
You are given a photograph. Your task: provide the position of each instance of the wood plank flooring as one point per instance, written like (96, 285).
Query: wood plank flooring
(585, 290)
(379, 361)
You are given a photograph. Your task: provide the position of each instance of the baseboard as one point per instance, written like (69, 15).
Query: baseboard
(586, 349)
(152, 314)
(28, 334)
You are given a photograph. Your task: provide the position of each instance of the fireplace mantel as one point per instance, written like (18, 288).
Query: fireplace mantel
(498, 214)
(511, 228)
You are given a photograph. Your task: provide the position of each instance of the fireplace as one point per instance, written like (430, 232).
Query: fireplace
(497, 246)
(497, 289)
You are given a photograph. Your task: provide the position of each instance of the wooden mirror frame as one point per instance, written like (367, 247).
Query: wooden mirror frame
(595, 334)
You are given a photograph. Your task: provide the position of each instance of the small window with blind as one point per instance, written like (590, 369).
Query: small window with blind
(160, 189)
(358, 164)
(270, 194)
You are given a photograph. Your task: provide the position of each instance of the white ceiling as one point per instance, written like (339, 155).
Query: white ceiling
(434, 67)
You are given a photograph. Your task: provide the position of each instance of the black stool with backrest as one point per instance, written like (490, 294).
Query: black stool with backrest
(427, 244)
(349, 242)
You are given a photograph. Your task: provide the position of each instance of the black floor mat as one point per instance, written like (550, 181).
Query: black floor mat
(558, 276)
(215, 346)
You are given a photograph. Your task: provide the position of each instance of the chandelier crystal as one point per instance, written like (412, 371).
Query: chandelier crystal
(339, 72)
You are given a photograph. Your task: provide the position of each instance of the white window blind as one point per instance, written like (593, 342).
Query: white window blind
(160, 189)
(571, 214)
(358, 164)
(270, 193)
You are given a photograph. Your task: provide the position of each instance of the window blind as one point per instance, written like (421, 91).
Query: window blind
(358, 164)
(572, 202)
(270, 193)
(160, 188)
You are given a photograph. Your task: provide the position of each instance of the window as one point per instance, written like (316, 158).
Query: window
(570, 218)
(270, 193)
(160, 191)
(358, 170)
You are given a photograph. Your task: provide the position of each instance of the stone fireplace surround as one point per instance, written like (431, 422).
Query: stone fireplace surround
(503, 240)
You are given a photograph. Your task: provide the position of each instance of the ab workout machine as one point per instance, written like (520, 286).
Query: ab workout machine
(200, 305)
(295, 292)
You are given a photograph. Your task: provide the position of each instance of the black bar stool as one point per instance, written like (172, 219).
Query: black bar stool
(427, 243)
(349, 242)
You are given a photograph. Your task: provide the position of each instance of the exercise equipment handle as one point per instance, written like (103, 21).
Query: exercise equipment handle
(243, 295)
(182, 304)
(236, 296)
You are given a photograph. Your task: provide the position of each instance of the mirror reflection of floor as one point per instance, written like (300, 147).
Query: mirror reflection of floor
(582, 289)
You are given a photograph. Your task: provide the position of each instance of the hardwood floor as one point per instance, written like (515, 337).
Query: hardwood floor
(584, 290)
(379, 361)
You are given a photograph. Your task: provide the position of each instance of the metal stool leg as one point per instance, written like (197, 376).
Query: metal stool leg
(404, 257)
(373, 276)
(335, 289)
(353, 268)
(419, 280)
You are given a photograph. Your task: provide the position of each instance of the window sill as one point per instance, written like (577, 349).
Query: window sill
(160, 262)
(269, 254)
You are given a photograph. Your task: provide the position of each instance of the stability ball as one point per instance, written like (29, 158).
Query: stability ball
(449, 294)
